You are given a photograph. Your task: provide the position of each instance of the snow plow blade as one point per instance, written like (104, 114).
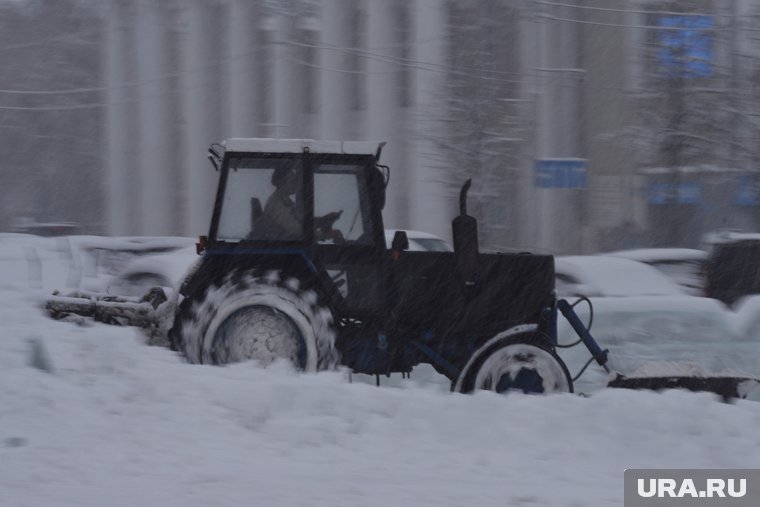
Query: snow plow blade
(726, 387)
(121, 311)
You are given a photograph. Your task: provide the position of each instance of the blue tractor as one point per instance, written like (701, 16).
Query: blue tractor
(296, 267)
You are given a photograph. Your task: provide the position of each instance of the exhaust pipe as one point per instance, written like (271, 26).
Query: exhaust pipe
(465, 234)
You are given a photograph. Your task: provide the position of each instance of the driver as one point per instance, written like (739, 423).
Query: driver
(280, 210)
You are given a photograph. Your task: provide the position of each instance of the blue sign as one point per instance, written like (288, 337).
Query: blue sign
(687, 192)
(560, 173)
(747, 192)
(687, 49)
(659, 193)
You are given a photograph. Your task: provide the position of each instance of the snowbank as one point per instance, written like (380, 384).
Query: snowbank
(115, 422)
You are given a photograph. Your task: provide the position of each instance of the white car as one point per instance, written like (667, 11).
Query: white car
(420, 241)
(159, 270)
(603, 275)
(659, 335)
(685, 266)
(647, 322)
(747, 317)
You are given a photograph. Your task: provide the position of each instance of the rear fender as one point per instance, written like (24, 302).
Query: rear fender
(217, 265)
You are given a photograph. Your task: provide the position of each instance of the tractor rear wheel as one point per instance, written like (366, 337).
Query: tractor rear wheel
(515, 361)
(259, 318)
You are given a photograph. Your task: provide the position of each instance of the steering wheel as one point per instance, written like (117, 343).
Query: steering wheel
(326, 222)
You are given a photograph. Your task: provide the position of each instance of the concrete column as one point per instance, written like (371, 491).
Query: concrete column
(243, 62)
(200, 116)
(382, 122)
(544, 132)
(635, 205)
(155, 157)
(334, 74)
(529, 27)
(122, 178)
(431, 209)
(281, 85)
(558, 133)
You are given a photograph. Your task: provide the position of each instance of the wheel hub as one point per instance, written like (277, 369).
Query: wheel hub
(521, 367)
(259, 333)
(526, 380)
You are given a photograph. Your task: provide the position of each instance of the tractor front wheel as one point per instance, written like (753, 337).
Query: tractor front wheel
(515, 361)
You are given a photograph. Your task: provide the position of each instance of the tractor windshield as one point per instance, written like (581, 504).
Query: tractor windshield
(342, 189)
(263, 200)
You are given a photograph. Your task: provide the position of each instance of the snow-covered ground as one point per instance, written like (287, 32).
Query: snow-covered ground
(115, 422)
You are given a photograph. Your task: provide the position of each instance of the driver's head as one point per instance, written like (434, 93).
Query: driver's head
(284, 178)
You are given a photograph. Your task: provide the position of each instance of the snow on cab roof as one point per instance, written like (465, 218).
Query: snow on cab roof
(297, 146)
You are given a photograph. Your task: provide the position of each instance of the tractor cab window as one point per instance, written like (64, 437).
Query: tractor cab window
(340, 193)
(262, 200)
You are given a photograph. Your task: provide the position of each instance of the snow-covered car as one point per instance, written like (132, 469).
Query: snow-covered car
(111, 254)
(685, 266)
(747, 317)
(695, 335)
(165, 270)
(604, 275)
(420, 241)
(47, 229)
(645, 319)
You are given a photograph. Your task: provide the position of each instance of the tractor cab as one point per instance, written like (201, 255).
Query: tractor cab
(310, 208)
(298, 193)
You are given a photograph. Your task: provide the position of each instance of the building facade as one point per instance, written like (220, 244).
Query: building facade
(184, 74)
(554, 108)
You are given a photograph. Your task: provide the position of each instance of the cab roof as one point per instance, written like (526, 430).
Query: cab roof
(265, 145)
